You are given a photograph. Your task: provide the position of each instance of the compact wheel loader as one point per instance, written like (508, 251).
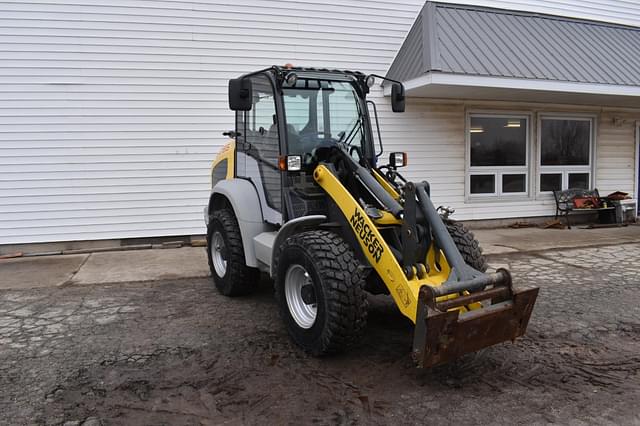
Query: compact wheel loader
(299, 193)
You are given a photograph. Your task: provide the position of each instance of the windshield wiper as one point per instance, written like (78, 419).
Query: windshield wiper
(352, 132)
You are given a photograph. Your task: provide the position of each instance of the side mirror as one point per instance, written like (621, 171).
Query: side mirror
(240, 94)
(397, 97)
(397, 159)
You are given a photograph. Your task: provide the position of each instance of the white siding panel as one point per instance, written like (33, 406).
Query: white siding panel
(616, 153)
(111, 114)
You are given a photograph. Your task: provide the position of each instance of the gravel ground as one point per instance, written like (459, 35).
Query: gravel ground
(176, 352)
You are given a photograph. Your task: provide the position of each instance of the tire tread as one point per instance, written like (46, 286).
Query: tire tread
(468, 245)
(239, 279)
(343, 277)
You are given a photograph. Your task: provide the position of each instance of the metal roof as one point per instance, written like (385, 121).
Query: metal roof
(480, 41)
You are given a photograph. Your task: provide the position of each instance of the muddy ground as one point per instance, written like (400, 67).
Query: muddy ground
(176, 352)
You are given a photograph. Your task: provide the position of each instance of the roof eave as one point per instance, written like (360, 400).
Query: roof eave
(456, 86)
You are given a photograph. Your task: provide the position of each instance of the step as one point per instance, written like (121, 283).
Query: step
(263, 246)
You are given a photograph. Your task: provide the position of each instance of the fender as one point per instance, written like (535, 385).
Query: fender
(244, 200)
(292, 227)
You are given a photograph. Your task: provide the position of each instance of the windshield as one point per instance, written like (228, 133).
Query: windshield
(322, 112)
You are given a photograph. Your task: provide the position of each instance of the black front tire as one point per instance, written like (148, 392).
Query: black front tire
(238, 279)
(337, 288)
(467, 245)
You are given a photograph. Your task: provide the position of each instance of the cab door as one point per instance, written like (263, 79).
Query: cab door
(258, 148)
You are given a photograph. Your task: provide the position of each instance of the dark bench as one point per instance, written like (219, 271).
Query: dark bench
(565, 202)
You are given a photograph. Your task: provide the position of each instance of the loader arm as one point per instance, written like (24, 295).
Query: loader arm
(404, 292)
(449, 301)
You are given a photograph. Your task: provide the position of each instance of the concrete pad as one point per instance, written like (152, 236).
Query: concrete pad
(34, 272)
(36, 248)
(143, 265)
(537, 239)
(490, 249)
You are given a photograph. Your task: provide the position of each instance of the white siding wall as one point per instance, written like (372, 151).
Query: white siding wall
(616, 152)
(110, 115)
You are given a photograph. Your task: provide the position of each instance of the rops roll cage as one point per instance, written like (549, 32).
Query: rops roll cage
(358, 79)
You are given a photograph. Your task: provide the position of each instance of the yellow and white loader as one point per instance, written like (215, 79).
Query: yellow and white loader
(299, 193)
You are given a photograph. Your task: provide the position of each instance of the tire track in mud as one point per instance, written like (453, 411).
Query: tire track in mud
(266, 377)
(557, 365)
(181, 354)
(209, 390)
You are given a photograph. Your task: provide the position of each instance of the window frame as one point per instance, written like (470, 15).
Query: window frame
(498, 171)
(568, 169)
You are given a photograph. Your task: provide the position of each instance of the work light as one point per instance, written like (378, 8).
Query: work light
(291, 79)
(371, 81)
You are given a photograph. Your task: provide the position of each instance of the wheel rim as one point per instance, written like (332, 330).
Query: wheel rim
(304, 314)
(218, 255)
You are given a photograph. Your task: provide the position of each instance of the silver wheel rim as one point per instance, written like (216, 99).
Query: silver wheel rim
(217, 248)
(303, 314)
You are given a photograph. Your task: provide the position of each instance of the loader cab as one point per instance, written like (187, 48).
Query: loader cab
(326, 112)
(282, 117)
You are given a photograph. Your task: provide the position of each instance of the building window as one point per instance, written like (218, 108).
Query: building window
(565, 151)
(498, 152)
(482, 184)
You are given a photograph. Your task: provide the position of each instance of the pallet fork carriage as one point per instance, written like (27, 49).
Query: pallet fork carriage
(298, 194)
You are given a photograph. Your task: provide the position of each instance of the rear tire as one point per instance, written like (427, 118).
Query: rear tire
(467, 245)
(225, 253)
(319, 290)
